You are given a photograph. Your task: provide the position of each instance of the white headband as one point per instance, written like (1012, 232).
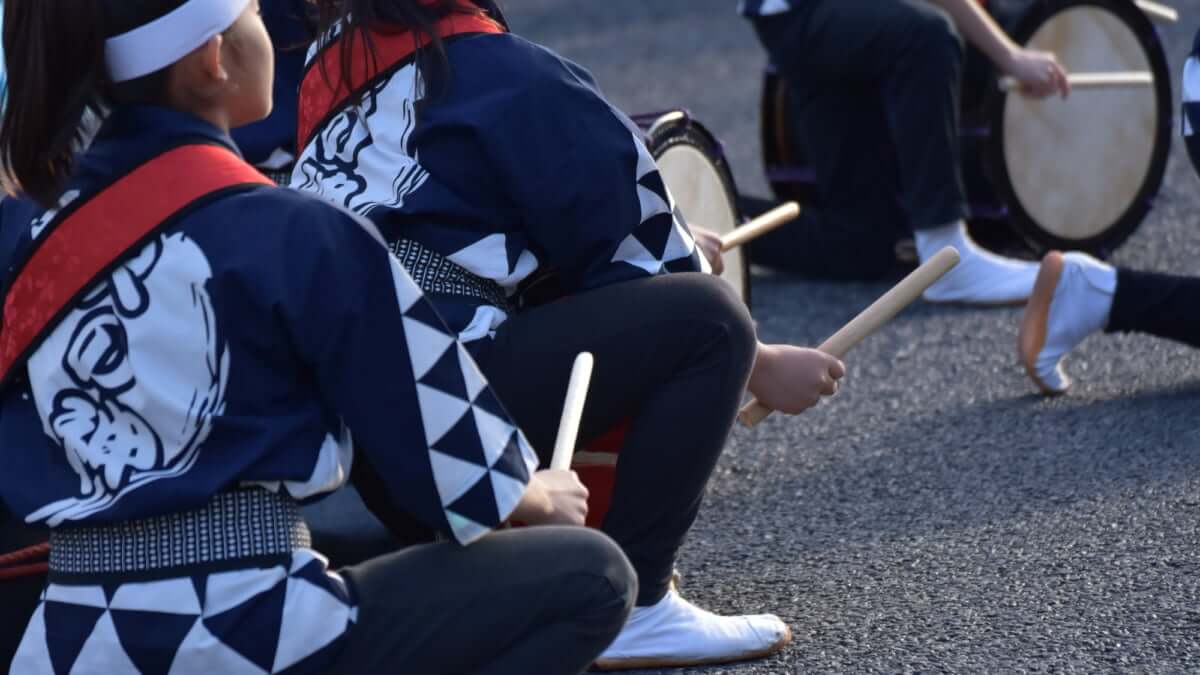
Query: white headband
(158, 44)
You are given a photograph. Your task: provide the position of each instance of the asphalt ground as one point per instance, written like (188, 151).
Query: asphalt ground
(937, 515)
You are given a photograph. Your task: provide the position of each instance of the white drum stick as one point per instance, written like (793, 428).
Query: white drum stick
(1116, 80)
(761, 225)
(1158, 10)
(568, 427)
(872, 318)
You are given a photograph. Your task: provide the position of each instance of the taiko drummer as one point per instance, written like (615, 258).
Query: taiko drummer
(187, 351)
(877, 83)
(489, 162)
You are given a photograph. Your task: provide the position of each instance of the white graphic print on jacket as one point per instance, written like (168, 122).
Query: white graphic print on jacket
(338, 162)
(125, 410)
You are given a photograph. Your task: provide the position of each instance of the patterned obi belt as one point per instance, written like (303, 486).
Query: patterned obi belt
(236, 528)
(437, 275)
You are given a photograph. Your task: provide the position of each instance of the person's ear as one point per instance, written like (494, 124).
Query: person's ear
(210, 62)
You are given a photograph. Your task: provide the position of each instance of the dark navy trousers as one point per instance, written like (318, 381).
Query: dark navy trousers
(876, 85)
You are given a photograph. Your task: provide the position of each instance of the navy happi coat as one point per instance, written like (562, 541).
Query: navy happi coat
(264, 339)
(514, 166)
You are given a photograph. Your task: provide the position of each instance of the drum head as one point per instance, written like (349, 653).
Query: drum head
(700, 183)
(1080, 173)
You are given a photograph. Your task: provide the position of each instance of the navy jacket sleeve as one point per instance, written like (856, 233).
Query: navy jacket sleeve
(410, 394)
(590, 195)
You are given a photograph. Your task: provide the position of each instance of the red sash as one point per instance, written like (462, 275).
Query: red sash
(87, 241)
(319, 100)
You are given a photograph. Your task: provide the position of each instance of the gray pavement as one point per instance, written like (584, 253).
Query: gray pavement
(937, 515)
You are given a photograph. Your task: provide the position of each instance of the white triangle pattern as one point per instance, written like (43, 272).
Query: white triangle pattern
(33, 656)
(474, 379)
(425, 345)
(226, 590)
(652, 203)
(102, 651)
(203, 652)
(487, 257)
(494, 434)
(465, 530)
(170, 596)
(299, 635)
(680, 243)
(527, 453)
(453, 476)
(632, 251)
(313, 616)
(88, 596)
(439, 412)
(508, 492)
(407, 291)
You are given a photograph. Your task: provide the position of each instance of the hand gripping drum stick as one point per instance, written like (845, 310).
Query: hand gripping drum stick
(1114, 80)
(568, 427)
(760, 225)
(872, 318)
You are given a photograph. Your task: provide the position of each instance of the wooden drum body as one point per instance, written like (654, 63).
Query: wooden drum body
(1077, 174)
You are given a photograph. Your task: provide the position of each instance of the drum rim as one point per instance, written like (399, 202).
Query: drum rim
(665, 133)
(776, 138)
(1102, 244)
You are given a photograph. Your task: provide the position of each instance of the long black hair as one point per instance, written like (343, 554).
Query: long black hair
(359, 18)
(56, 71)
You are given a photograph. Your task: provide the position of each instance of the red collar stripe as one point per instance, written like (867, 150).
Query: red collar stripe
(318, 98)
(77, 250)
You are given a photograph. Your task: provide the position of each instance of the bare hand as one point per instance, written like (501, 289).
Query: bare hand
(553, 497)
(710, 247)
(793, 379)
(1039, 73)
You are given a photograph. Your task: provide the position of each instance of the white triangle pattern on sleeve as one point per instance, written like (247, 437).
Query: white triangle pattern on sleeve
(467, 449)
(656, 202)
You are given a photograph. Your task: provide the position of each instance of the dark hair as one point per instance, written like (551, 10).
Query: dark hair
(56, 71)
(359, 18)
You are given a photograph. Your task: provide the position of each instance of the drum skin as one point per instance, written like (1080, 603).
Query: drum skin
(698, 176)
(1083, 173)
(1120, 139)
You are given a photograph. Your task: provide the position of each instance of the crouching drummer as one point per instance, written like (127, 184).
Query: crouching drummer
(188, 351)
(877, 87)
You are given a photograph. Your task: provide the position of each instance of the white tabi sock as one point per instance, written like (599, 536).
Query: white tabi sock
(1073, 299)
(675, 633)
(981, 277)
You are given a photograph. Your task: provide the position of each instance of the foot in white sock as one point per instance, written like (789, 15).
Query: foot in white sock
(1071, 300)
(674, 633)
(981, 277)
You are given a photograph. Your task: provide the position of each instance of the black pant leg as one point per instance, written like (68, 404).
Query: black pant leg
(531, 600)
(852, 233)
(921, 102)
(1163, 305)
(673, 354)
(877, 87)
